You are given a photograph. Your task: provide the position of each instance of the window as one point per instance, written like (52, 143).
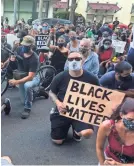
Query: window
(132, 10)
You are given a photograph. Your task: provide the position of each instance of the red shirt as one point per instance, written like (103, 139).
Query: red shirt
(116, 146)
(106, 54)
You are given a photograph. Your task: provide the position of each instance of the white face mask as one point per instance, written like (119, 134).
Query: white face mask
(74, 65)
(114, 37)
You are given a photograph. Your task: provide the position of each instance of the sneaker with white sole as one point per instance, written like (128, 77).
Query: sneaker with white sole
(76, 137)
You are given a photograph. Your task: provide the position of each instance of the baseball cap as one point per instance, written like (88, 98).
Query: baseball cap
(28, 41)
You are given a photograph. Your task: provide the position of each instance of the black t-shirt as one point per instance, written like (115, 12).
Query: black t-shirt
(31, 64)
(61, 81)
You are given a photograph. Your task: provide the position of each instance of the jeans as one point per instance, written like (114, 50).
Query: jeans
(26, 91)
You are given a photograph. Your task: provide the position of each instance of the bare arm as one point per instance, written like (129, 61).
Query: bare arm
(27, 78)
(60, 106)
(100, 142)
(53, 96)
(68, 46)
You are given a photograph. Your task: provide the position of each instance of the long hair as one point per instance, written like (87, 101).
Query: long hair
(125, 107)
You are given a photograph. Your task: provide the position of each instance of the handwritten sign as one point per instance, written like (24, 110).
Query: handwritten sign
(41, 40)
(119, 46)
(89, 103)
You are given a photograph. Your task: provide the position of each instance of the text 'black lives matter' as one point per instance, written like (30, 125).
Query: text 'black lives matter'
(41, 40)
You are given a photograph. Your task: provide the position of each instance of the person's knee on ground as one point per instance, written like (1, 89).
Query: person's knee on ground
(86, 133)
(58, 142)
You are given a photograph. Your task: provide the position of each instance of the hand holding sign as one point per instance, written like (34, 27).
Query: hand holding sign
(89, 103)
(61, 107)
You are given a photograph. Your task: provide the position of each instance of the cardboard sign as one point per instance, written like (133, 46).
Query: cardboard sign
(89, 103)
(41, 40)
(119, 46)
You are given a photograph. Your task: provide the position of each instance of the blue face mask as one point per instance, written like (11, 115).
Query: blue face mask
(128, 124)
(26, 49)
(45, 28)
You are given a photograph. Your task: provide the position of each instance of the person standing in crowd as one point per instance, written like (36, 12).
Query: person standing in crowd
(89, 58)
(45, 29)
(105, 52)
(6, 20)
(30, 64)
(74, 44)
(105, 28)
(66, 37)
(4, 53)
(119, 131)
(6, 29)
(115, 23)
(105, 35)
(130, 56)
(60, 32)
(115, 36)
(122, 79)
(60, 54)
(124, 38)
(23, 20)
(89, 33)
(60, 125)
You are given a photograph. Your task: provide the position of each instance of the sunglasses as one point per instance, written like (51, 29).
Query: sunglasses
(107, 43)
(76, 59)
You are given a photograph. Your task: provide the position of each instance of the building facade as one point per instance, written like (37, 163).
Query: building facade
(26, 9)
(125, 13)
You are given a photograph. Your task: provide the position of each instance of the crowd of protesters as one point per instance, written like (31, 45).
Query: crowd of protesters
(87, 54)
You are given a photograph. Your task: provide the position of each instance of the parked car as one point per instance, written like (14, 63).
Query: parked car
(51, 21)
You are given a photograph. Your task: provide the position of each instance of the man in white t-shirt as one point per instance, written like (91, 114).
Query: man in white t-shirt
(130, 56)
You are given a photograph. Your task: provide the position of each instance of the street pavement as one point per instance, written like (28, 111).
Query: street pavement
(28, 141)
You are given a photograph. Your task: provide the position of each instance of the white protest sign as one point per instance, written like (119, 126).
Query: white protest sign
(41, 40)
(90, 103)
(119, 46)
(11, 38)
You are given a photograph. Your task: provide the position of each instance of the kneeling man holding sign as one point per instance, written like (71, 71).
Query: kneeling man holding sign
(60, 124)
(80, 102)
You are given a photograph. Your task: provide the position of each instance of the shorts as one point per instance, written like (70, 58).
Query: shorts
(60, 126)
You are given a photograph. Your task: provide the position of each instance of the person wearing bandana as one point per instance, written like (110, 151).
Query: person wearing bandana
(60, 125)
(119, 131)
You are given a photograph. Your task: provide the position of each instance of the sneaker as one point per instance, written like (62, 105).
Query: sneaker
(25, 114)
(76, 137)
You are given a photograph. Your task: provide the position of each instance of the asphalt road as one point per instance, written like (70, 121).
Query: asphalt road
(28, 141)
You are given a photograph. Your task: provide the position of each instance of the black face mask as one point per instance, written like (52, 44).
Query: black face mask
(126, 79)
(60, 45)
(123, 38)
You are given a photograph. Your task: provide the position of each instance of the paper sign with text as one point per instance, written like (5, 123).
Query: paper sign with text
(41, 40)
(90, 103)
(119, 46)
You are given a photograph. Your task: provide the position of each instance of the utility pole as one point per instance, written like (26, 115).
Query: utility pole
(72, 11)
(40, 8)
(68, 2)
(15, 10)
